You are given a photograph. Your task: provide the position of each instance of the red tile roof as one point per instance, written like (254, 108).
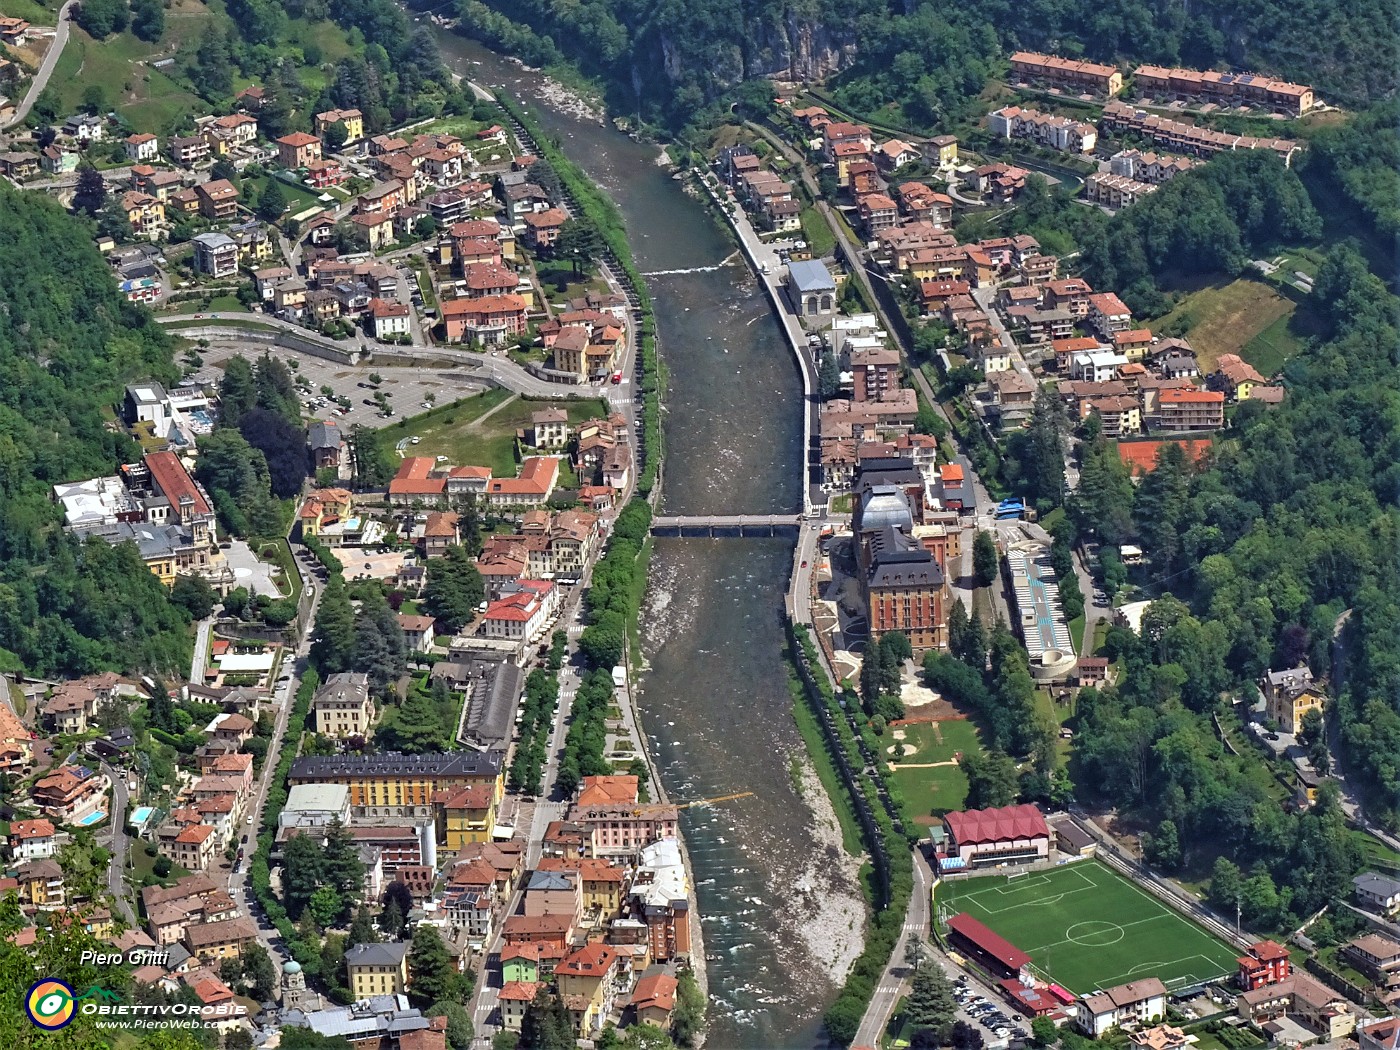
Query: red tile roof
(996, 825)
(998, 947)
(413, 480)
(174, 481)
(657, 991)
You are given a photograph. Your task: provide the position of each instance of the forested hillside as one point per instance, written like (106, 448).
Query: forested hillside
(665, 58)
(68, 342)
(1361, 160)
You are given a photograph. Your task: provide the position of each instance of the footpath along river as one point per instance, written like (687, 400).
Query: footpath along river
(779, 898)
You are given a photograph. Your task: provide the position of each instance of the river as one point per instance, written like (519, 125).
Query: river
(779, 899)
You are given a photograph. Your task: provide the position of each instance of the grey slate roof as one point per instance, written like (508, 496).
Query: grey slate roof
(323, 434)
(808, 275)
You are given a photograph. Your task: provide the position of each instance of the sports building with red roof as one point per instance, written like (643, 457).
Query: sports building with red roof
(989, 950)
(980, 837)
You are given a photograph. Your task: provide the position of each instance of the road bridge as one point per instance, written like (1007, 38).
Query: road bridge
(724, 525)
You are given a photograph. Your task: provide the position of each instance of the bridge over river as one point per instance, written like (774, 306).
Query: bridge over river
(731, 525)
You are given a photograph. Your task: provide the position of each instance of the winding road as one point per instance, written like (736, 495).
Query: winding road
(46, 67)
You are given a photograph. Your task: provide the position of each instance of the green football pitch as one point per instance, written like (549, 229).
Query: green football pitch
(1085, 927)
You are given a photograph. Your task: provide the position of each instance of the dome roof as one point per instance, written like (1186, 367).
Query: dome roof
(291, 966)
(885, 506)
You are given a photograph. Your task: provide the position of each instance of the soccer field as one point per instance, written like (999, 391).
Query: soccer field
(1086, 927)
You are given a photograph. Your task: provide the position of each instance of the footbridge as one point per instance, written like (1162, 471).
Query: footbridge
(730, 525)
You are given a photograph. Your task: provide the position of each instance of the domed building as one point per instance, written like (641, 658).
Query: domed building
(904, 587)
(293, 986)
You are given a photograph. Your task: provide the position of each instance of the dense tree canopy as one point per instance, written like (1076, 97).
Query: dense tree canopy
(68, 344)
(667, 58)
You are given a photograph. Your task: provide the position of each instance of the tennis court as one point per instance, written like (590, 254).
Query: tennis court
(1086, 927)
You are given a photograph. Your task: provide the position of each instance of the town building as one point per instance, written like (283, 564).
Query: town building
(989, 950)
(1134, 1003)
(70, 794)
(1376, 956)
(810, 288)
(1378, 893)
(1212, 86)
(1190, 410)
(387, 783)
(981, 837)
(298, 149)
(660, 896)
(1061, 133)
(1088, 77)
(1302, 999)
(1264, 963)
(343, 707)
(32, 840)
(1289, 695)
(377, 969)
(352, 120)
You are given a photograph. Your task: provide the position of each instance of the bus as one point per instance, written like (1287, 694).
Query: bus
(1010, 509)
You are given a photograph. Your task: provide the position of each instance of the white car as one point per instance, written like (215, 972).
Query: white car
(415, 439)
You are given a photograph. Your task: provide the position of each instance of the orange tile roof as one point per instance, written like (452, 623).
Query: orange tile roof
(174, 481)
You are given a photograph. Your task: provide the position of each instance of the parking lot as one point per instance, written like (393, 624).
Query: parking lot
(407, 388)
(994, 1018)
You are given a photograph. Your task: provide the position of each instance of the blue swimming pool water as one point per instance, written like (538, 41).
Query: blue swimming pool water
(199, 415)
(93, 818)
(141, 814)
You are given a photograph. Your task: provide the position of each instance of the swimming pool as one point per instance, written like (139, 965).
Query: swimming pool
(140, 815)
(202, 417)
(93, 818)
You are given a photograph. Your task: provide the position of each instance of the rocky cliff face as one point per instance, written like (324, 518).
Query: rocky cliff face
(799, 49)
(787, 47)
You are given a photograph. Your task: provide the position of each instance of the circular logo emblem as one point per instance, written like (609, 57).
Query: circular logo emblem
(49, 1004)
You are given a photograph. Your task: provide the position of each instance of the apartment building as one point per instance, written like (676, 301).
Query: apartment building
(1190, 410)
(1044, 129)
(1231, 89)
(1089, 77)
(1115, 191)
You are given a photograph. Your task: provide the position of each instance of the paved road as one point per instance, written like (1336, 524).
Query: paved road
(986, 301)
(46, 67)
(116, 822)
(238, 885)
(893, 981)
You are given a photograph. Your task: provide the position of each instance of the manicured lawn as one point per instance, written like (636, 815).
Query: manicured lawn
(820, 240)
(452, 432)
(825, 768)
(224, 304)
(1076, 631)
(1226, 319)
(1086, 927)
(298, 197)
(932, 789)
(462, 126)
